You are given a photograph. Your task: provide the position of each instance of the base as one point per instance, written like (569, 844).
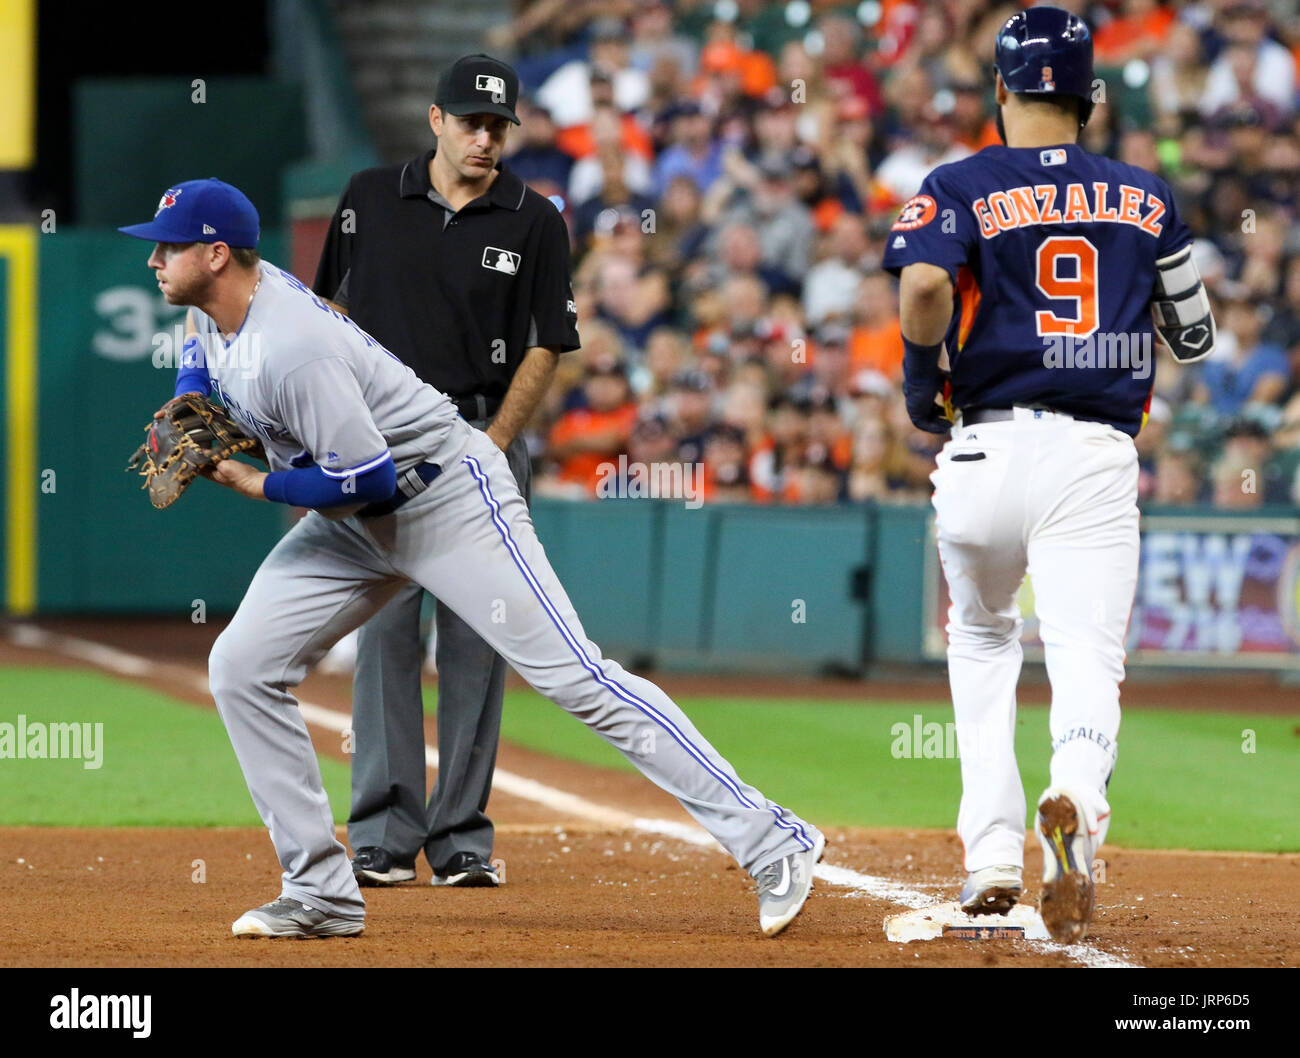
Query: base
(949, 920)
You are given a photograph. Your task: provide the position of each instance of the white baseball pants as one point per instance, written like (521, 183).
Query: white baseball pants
(1057, 498)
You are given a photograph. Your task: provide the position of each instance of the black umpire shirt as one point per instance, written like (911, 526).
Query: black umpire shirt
(457, 296)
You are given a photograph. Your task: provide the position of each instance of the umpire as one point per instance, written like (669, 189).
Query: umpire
(463, 273)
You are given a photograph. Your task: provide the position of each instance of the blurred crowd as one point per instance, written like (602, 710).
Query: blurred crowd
(729, 169)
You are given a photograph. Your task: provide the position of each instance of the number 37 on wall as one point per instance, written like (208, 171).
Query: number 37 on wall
(1066, 270)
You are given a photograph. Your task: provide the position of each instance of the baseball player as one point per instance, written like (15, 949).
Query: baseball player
(400, 488)
(1031, 275)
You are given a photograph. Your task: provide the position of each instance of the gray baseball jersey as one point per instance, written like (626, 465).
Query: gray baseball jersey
(316, 392)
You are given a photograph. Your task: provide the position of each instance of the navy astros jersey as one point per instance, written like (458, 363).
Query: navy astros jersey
(1053, 252)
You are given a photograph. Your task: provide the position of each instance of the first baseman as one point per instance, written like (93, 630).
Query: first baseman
(1060, 261)
(400, 488)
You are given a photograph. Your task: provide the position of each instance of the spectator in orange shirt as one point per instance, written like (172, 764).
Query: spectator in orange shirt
(725, 67)
(726, 465)
(582, 141)
(773, 468)
(876, 342)
(820, 478)
(828, 433)
(584, 438)
(1136, 34)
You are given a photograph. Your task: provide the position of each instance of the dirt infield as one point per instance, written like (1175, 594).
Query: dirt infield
(582, 894)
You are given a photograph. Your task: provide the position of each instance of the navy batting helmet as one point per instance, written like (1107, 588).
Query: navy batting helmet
(1047, 51)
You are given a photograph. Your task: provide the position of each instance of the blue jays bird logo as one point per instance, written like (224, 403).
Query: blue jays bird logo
(168, 199)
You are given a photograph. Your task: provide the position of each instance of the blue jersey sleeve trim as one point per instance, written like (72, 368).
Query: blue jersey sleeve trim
(361, 468)
(311, 487)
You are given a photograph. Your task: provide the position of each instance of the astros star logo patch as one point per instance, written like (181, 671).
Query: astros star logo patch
(917, 212)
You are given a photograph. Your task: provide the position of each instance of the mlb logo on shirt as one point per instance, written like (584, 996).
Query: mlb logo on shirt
(495, 86)
(1056, 156)
(500, 260)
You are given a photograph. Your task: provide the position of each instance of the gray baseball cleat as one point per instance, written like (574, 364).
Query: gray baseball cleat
(288, 917)
(1068, 898)
(992, 890)
(783, 887)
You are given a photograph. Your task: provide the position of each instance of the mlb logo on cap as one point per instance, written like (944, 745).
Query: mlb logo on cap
(478, 84)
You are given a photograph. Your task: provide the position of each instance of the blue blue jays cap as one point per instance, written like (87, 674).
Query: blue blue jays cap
(201, 211)
(1047, 51)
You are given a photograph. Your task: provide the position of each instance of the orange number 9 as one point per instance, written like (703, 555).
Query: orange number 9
(1081, 289)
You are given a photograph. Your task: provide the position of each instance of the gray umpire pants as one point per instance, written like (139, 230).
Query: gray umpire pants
(469, 540)
(388, 766)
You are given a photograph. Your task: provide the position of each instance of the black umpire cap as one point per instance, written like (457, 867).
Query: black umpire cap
(479, 84)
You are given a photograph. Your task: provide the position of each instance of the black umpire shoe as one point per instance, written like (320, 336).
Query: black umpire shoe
(467, 870)
(375, 866)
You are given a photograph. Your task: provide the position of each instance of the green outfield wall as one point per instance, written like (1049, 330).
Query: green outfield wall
(718, 587)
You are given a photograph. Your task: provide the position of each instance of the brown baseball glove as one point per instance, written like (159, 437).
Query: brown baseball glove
(191, 437)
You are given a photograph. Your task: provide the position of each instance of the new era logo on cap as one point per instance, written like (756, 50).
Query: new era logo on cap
(208, 229)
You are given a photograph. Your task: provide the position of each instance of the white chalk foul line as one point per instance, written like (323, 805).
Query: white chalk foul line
(126, 664)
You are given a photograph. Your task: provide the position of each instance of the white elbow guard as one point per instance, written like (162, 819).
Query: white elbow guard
(1182, 308)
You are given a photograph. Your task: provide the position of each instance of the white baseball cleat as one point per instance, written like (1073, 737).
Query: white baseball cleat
(992, 890)
(783, 887)
(1068, 899)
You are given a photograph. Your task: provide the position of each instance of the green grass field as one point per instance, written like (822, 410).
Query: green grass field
(164, 762)
(1183, 780)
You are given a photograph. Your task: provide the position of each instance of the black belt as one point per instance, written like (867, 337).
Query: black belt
(409, 485)
(975, 416)
(477, 407)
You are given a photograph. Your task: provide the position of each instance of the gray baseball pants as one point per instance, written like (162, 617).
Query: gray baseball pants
(468, 540)
(388, 767)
